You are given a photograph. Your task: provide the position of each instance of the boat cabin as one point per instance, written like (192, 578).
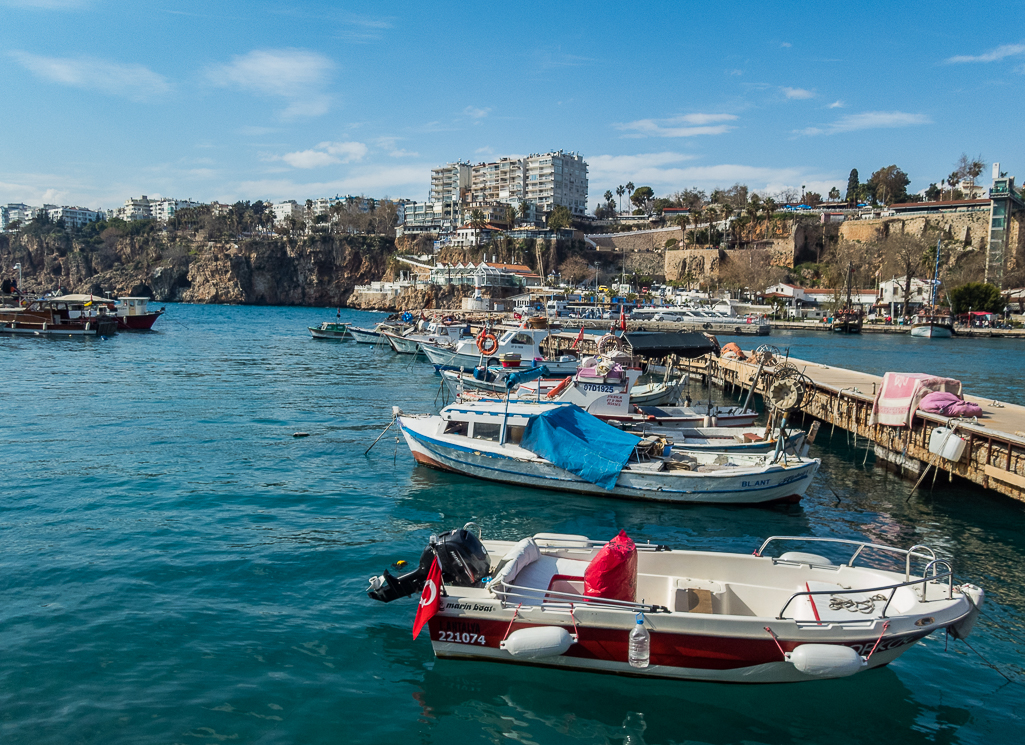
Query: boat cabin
(132, 306)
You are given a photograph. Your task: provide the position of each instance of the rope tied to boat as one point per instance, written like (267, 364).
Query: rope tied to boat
(866, 606)
(776, 639)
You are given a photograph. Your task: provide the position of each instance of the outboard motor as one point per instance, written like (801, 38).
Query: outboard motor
(462, 557)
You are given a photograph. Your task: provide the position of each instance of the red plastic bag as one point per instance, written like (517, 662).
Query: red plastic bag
(613, 572)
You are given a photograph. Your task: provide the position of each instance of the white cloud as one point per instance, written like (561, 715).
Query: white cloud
(687, 125)
(396, 181)
(835, 105)
(309, 159)
(869, 120)
(325, 154)
(785, 45)
(475, 113)
(131, 81)
(797, 93)
(296, 75)
(994, 55)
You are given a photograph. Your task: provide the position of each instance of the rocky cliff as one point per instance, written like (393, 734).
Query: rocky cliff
(271, 270)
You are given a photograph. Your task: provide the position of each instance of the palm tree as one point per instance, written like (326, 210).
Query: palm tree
(696, 215)
(711, 216)
(477, 222)
(524, 210)
(608, 196)
(629, 189)
(620, 191)
(510, 216)
(683, 221)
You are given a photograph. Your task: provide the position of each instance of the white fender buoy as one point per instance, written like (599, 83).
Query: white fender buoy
(961, 629)
(537, 642)
(826, 660)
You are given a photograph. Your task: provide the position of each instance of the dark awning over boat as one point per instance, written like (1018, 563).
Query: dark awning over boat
(662, 344)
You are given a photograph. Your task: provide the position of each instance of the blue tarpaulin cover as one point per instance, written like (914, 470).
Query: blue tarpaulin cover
(574, 440)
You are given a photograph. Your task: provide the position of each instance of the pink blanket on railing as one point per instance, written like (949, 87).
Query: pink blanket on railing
(900, 393)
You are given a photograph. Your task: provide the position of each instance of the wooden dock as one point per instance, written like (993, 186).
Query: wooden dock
(994, 454)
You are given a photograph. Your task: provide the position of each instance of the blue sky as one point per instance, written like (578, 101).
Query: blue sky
(228, 100)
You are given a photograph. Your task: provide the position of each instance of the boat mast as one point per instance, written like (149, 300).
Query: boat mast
(936, 274)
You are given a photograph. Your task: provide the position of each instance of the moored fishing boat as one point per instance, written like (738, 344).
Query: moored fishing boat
(933, 322)
(524, 341)
(561, 447)
(787, 616)
(376, 334)
(330, 330)
(70, 315)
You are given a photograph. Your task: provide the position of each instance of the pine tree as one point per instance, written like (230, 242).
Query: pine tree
(852, 186)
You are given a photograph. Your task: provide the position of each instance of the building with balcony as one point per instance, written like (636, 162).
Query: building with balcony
(449, 182)
(75, 217)
(557, 179)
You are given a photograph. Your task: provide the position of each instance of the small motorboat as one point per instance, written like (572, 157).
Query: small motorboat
(658, 393)
(376, 334)
(780, 617)
(434, 333)
(560, 446)
(749, 440)
(523, 341)
(331, 330)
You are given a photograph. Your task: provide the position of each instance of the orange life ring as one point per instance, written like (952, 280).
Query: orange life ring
(559, 388)
(487, 343)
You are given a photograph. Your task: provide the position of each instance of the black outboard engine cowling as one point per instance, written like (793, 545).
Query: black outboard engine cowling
(463, 560)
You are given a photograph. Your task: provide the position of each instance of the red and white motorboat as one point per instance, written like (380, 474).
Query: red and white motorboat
(714, 616)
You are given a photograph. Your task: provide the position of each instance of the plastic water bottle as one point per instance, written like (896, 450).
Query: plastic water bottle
(640, 644)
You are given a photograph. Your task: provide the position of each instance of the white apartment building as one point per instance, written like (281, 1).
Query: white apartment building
(501, 181)
(449, 181)
(75, 217)
(287, 209)
(557, 178)
(18, 212)
(891, 293)
(164, 209)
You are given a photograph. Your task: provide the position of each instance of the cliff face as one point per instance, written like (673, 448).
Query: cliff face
(313, 270)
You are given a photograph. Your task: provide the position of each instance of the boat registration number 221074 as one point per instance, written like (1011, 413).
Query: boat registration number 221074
(461, 637)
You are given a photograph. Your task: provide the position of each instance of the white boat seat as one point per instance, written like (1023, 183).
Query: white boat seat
(542, 573)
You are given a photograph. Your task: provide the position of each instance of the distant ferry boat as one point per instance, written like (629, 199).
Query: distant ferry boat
(707, 320)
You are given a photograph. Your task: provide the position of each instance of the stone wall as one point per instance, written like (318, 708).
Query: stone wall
(969, 229)
(698, 262)
(646, 241)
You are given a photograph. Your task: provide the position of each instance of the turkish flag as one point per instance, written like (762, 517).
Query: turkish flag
(428, 598)
(622, 317)
(580, 338)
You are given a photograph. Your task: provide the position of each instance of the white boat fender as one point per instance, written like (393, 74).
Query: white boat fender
(826, 660)
(537, 642)
(976, 596)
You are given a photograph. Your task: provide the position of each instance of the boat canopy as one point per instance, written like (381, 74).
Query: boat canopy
(687, 344)
(79, 299)
(574, 440)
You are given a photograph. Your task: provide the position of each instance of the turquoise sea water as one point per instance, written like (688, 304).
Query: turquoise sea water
(176, 567)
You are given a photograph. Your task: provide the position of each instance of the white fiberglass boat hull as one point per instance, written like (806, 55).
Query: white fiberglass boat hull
(932, 331)
(511, 464)
(711, 616)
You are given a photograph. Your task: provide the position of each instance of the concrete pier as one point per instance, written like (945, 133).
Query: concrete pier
(994, 453)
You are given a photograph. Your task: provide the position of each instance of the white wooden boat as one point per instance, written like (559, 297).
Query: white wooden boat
(559, 446)
(659, 393)
(525, 342)
(376, 334)
(434, 333)
(932, 326)
(771, 616)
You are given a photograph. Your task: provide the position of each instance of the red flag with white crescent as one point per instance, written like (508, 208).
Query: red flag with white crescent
(428, 598)
(580, 338)
(622, 318)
